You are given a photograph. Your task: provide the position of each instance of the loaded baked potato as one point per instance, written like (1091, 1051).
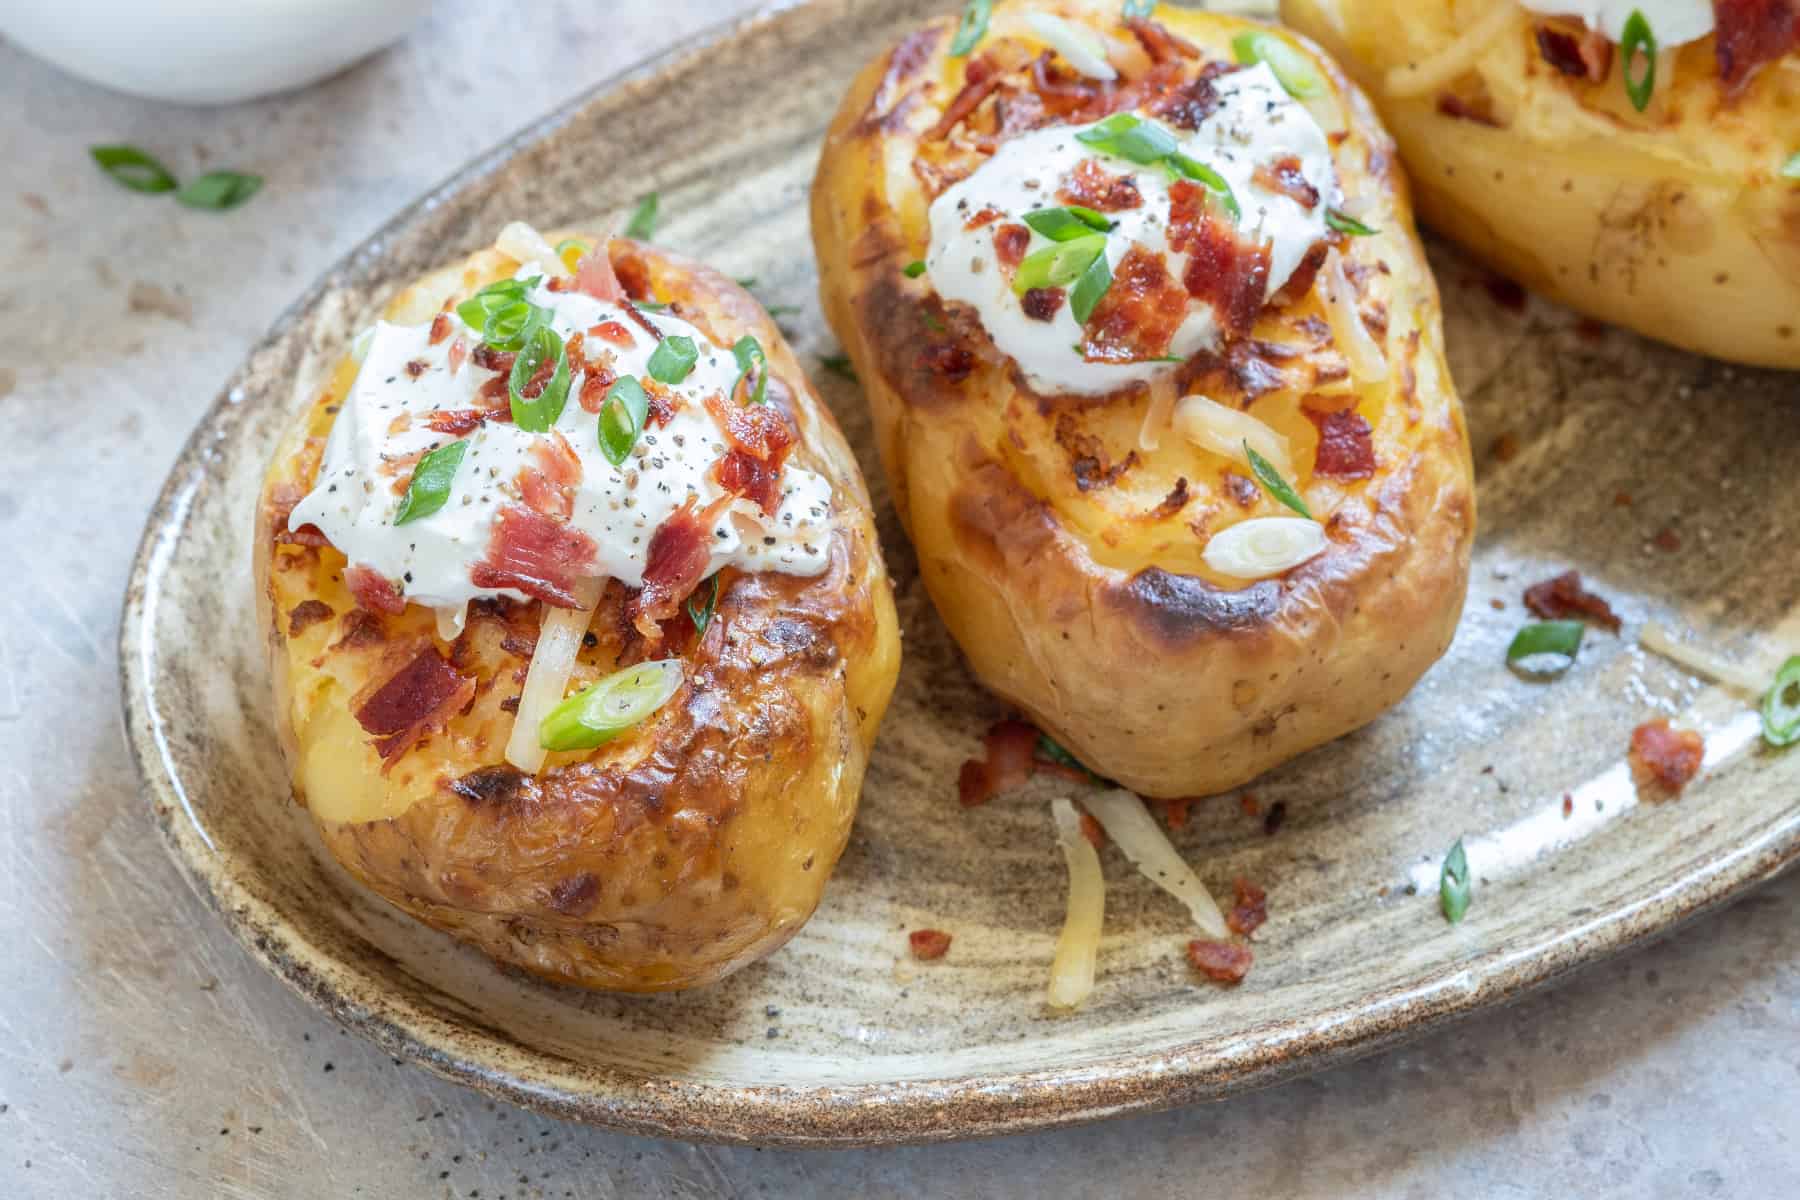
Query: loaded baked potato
(1154, 358)
(580, 630)
(1643, 171)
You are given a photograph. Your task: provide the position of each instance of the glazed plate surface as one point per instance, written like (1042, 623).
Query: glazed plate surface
(1595, 450)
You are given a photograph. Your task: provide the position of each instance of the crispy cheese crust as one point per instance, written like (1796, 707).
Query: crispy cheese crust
(1064, 555)
(684, 850)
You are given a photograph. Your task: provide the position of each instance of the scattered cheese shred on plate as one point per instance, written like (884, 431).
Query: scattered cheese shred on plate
(1078, 947)
(1127, 822)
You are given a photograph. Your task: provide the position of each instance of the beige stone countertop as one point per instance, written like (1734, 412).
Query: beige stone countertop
(143, 1054)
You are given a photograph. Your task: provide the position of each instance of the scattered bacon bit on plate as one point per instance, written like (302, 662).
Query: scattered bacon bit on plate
(1249, 805)
(928, 945)
(1250, 910)
(1221, 962)
(1505, 293)
(1563, 597)
(1277, 814)
(1505, 448)
(1568, 804)
(1008, 761)
(1666, 756)
(1667, 540)
(1175, 812)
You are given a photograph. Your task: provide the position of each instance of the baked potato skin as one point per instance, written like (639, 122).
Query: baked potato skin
(1674, 222)
(684, 850)
(1065, 558)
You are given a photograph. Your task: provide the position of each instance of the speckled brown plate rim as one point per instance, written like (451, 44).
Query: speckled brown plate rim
(891, 1113)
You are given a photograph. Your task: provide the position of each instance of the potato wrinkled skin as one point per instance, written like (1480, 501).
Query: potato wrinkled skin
(1674, 222)
(692, 846)
(1064, 554)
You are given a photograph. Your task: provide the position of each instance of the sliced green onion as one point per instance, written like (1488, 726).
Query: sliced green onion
(510, 327)
(1293, 70)
(500, 313)
(219, 190)
(1090, 288)
(1067, 224)
(1453, 884)
(748, 282)
(1345, 223)
(572, 251)
(838, 364)
(913, 270)
(430, 486)
(1638, 38)
(750, 357)
(1781, 707)
(622, 419)
(702, 616)
(1791, 168)
(536, 414)
(132, 168)
(1130, 137)
(973, 27)
(643, 219)
(616, 705)
(1274, 484)
(673, 358)
(1214, 182)
(1058, 264)
(1546, 647)
(1137, 10)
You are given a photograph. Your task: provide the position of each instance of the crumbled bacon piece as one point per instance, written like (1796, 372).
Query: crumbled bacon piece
(594, 276)
(306, 614)
(536, 555)
(680, 551)
(928, 945)
(1067, 94)
(1008, 759)
(594, 387)
(615, 332)
(981, 77)
(416, 367)
(374, 591)
(1667, 756)
(984, 216)
(547, 483)
(1175, 812)
(1161, 45)
(1285, 178)
(1093, 186)
(1182, 102)
(1750, 33)
(440, 328)
(1042, 304)
(1010, 241)
(456, 421)
(1481, 112)
(1138, 316)
(1221, 962)
(1346, 445)
(760, 440)
(954, 363)
(1578, 52)
(459, 353)
(423, 693)
(1221, 270)
(1666, 540)
(1563, 597)
(1250, 910)
(1241, 488)
(490, 359)
(664, 403)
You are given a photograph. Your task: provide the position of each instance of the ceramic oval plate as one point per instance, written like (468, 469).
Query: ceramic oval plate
(1660, 476)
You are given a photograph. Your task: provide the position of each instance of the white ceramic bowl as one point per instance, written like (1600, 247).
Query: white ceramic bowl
(206, 51)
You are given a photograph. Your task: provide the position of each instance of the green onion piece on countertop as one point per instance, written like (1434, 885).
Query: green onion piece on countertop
(219, 190)
(132, 168)
(1453, 884)
(1546, 647)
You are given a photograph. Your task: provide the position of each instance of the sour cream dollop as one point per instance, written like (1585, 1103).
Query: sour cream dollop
(1674, 22)
(404, 378)
(1256, 123)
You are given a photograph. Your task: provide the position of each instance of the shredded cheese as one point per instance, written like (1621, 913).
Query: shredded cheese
(1078, 946)
(1129, 824)
(1753, 683)
(1075, 45)
(1430, 74)
(547, 678)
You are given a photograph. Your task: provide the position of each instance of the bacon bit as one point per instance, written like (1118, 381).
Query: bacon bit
(1182, 102)
(1009, 758)
(1621, 499)
(1221, 962)
(1242, 490)
(1505, 293)
(547, 484)
(680, 550)
(1175, 812)
(1173, 503)
(1138, 316)
(360, 629)
(594, 387)
(1667, 540)
(954, 363)
(982, 76)
(928, 945)
(1568, 805)
(1093, 186)
(459, 354)
(408, 704)
(1221, 270)
(1563, 597)
(1277, 815)
(1042, 304)
(1065, 93)
(374, 591)
(490, 359)
(984, 217)
(1305, 274)
(1249, 805)
(1346, 445)
(759, 430)
(416, 367)
(456, 421)
(1750, 33)
(1284, 177)
(1455, 107)
(1251, 909)
(1090, 829)
(665, 402)
(1009, 246)
(440, 328)
(1580, 53)
(533, 554)
(575, 350)
(643, 322)
(1161, 45)
(594, 276)
(615, 332)
(1668, 757)
(306, 614)
(744, 475)
(309, 535)
(1505, 448)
